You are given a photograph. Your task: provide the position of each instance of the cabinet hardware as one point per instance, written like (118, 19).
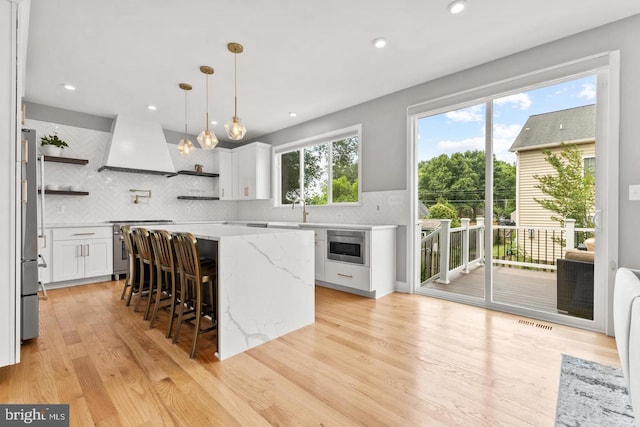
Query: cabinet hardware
(345, 275)
(83, 234)
(87, 250)
(25, 186)
(246, 191)
(81, 250)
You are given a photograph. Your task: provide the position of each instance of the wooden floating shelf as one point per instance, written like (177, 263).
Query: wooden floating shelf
(194, 173)
(65, 160)
(65, 192)
(197, 198)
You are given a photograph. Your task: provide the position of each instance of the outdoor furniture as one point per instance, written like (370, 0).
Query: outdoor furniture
(575, 287)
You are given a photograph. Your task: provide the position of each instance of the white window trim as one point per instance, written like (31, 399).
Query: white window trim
(324, 138)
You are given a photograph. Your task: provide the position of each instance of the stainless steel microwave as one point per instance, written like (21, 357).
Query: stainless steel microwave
(346, 246)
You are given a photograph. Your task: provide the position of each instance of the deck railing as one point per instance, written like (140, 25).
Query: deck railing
(447, 250)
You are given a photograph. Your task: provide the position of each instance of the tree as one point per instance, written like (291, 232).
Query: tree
(571, 190)
(444, 210)
(460, 180)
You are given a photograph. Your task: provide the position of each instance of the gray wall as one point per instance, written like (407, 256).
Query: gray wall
(384, 150)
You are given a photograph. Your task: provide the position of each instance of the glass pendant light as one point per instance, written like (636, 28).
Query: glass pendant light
(185, 147)
(207, 139)
(235, 129)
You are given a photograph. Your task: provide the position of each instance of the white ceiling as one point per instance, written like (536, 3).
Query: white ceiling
(309, 56)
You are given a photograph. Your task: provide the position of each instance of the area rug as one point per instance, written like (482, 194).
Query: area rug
(592, 394)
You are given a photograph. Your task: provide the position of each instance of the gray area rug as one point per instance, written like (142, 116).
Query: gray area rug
(592, 394)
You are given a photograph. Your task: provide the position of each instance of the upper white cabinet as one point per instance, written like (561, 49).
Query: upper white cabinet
(245, 172)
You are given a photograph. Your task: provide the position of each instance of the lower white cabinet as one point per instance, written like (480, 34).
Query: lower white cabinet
(320, 252)
(349, 275)
(79, 253)
(375, 279)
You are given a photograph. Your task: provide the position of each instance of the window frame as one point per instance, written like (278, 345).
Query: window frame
(325, 138)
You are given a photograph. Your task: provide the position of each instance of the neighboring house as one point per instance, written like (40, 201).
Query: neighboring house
(540, 132)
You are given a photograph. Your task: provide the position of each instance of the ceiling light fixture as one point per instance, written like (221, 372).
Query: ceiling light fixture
(292, 114)
(457, 6)
(152, 107)
(207, 139)
(379, 42)
(235, 129)
(185, 147)
(69, 86)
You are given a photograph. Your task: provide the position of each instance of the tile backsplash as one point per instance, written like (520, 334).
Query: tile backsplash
(109, 196)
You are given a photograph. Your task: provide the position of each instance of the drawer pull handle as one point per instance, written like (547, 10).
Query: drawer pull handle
(83, 234)
(345, 275)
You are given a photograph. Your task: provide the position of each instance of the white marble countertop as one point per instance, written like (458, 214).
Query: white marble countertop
(219, 231)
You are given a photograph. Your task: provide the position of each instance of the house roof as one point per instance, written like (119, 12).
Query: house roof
(543, 130)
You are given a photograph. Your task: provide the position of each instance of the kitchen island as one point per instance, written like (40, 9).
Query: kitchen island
(265, 282)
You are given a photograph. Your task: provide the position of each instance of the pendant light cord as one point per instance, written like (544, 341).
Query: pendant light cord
(207, 97)
(185, 114)
(235, 84)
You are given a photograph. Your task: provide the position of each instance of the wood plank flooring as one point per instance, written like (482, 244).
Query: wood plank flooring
(402, 360)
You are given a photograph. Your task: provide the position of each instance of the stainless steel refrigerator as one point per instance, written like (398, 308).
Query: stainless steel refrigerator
(29, 256)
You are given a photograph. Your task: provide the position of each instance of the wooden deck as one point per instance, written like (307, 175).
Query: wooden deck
(513, 286)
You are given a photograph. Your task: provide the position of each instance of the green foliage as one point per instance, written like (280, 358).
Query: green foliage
(53, 140)
(345, 191)
(444, 210)
(571, 192)
(460, 179)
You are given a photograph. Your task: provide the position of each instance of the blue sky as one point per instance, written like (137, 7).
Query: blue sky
(464, 129)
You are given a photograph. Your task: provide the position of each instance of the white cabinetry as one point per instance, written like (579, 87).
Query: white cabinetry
(320, 252)
(375, 279)
(225, 169)
(245, 172)
(80, 253)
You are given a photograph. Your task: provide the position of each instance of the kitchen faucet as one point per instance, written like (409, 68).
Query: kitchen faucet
(304, 208)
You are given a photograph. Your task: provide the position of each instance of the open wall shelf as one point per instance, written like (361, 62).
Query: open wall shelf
(197, 198)
(194, 173)
(66, 160)
(65, 192)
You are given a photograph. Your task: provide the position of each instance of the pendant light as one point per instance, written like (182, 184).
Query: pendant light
(185, 147)
(235, 129)
(207, 139)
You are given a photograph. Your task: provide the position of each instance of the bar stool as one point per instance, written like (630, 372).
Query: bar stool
(145, 261)
(166, 275)
(130, 280)
(198, 292)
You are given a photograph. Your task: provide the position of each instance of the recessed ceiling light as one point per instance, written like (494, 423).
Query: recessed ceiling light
(213, 122)
(379, 42)
(292, 114)
(152, 107)
(457, 6)
(69, 86)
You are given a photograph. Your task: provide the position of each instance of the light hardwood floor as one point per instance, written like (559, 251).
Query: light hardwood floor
(402, 360)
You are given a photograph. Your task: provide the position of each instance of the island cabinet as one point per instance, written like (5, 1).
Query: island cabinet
(245, 172)
(81, 252)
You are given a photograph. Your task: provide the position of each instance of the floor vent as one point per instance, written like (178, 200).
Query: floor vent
(537, 325)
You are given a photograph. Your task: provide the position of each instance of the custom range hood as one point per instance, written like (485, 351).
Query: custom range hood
(137, 146)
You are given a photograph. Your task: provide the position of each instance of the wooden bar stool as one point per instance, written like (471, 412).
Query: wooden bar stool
(146, 287)
(166, 276)
(131, 279)
(198, 292)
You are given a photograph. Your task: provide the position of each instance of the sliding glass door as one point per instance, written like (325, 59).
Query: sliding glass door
(507, 193)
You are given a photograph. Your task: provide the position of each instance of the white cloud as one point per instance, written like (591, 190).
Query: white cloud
(588, 91)
(449, 147)
(471, 114)
(520, 101)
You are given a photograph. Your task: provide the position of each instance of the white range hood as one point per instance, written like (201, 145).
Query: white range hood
(137, 146)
